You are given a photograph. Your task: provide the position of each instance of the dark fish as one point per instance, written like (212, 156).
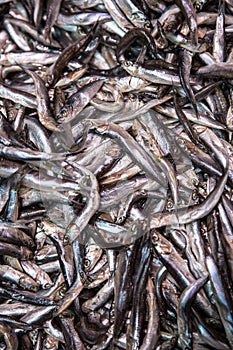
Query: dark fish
(116, 174)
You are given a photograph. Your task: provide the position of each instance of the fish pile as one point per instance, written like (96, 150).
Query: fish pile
(116, 174)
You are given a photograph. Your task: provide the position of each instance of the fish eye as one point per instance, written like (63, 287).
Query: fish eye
(127, 63)
(64, 113)
(147, 25)
(61, 293)
(34, 288)
(194, 182)
(194, 195)
(155, 238)
(66, 239)
(132, 98)
(170, 204)
(46, 286)
(87, 263)
(181, 142)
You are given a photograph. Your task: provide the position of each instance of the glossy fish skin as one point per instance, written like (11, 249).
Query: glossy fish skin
(12, 208)
(217, 70)
(43, 103)
(130, 37)
(100, 298)
(151, 338)
(138, 155)
(188, 216)
(134, 329)
(24, 297)
(184, 71)
(190, 15)
(15, 251)
(37, 274)
(52, 13)
(23, 280)
(66, 55)
(17, 96)
(186, 299)
(158, 76)
(117, 15)
(185, 122)
(116, 174)
(31, 30)
(123, 287)
(15, 236)
(70, 334)
(219, 40)
(136, 17)
(27, 154)
(220, 297)
(75, 228)
(78, 101)
(27, 57)
(83, 19)
(37, 133)
(9, 335)
(172, 260)
(20, 40)
(65, 258)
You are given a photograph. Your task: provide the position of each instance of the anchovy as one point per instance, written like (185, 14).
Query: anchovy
(43, 104)
(221, 298)
(190, 15)
(187, 215)
(116, 174)
(20, 40)
(134, 15)
(78, 101)
(136, 320)
(216, 70)
(71, 336)
(219, 36)
(7, 273)
(15, 236)
(28, 28)
(37, 274)
(21, 97)
(24, 297)
(66, 55)
(36, 58)
(9, 335)
(53, 8)
(130, 37)
(117, 15)
(172, 260)
(184, 71)
(185, 122)
(186, 300)
(151, 338)
(82, 18)
(138, 154)
(158, 76)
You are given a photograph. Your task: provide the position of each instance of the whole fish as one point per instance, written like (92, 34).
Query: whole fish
(116, 174)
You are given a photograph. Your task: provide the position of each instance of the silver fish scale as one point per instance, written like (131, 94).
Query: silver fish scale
(116, 175)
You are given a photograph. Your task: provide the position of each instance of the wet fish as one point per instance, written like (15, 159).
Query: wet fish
(116, 174)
